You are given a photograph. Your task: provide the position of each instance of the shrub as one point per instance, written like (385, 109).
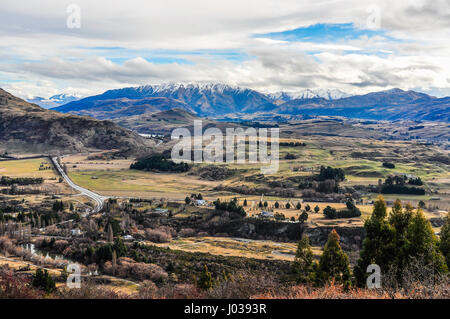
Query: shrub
(205, 281)
(14, 286)
(181, 291)
(243, 285)
(127, 267)
(89, 290)
(186, 232)
(157, 236)
(388, 165)
(148, 290)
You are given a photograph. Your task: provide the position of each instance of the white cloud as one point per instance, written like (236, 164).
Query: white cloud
(39, 55)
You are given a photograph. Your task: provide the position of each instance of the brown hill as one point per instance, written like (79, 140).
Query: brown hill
(122, 107)
(166, 121)
(28, 127)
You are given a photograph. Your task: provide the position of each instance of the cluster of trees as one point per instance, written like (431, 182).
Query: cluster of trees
(397, 185)
(43, 281)
(351, 211)
(140, 200)
(328, 173)
(290, 156)
(303, 217)
(58, 206)
(160, 163)
(389, 165)
(103, 253)
(327, 186)
(292, 144)
(394, 242)
(44, 167)
(231, 207)
(415, 181)
(327, 181)
(39, 218)
(8, 181)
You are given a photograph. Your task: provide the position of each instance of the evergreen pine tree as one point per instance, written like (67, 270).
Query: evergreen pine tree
(399, 219)
(205, 281)
(119, 247)
(422, 243)
(303, 262)
(378, 244)
(334, 263)
(303, 217)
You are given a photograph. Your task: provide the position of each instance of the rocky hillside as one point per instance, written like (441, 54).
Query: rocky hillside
(28, 127)
(122, 107)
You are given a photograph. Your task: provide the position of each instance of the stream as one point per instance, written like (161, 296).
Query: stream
(37, 252)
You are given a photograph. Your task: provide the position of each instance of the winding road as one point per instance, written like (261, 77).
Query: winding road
(98, 199)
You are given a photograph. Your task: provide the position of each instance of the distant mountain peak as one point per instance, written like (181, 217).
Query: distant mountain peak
(53, 101)
(394, 90)
(201, 98)
(198, 86)
(328, 94)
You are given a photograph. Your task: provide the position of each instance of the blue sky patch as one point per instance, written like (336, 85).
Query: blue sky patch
(321, 33)
(120, 55)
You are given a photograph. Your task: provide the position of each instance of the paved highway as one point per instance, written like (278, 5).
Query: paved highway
(98, 199)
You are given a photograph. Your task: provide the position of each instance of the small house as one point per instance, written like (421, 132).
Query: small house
(76, 232)
(161, 211)
(266, 214)
(200, 202)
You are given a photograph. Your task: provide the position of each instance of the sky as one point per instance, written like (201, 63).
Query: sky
(87, 47)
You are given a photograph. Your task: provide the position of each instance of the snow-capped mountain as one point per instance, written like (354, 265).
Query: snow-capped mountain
(53, 101)
(215, 99)
(328, 94)
(202, 98)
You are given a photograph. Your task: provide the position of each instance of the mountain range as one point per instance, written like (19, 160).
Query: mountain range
(28, 127)
(328, 94)
(214, 99)
(53, 101)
